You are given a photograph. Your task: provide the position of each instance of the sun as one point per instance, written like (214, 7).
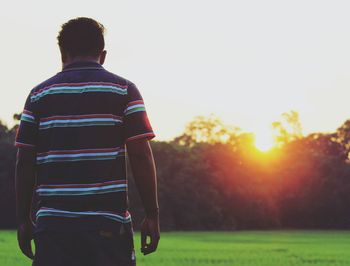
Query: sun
(264, 140)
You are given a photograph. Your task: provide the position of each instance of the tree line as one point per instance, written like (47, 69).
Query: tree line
(212, 177)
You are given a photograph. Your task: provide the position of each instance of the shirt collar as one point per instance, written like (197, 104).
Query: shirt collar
(82, 66)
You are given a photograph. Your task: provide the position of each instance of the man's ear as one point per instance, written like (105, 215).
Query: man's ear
(63, 56)
(103, 57)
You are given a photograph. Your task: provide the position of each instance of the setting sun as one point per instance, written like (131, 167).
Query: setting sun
(264, 140)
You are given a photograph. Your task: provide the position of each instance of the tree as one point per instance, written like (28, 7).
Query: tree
(342, 136)
(207, 130)
(288, 129)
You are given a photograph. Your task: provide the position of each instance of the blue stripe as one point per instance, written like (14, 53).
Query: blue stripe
(80, 122)
(79, 89)
(81, 191)
(28, 118)
(79, 157)
(70, 214)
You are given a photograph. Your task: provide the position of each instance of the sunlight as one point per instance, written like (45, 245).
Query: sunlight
(264, 140)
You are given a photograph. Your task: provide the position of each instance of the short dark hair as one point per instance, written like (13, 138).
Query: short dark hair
(81, 37)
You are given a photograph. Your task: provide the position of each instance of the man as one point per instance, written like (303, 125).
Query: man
(71, 152)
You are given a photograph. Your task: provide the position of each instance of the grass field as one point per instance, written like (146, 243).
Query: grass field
(258, 248)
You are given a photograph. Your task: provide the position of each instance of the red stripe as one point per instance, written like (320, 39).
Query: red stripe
(79, 84)
(79, 151)
(84, 185)
(61, 117)
(27, 112)
(134, 103)
(24, 145)
(125, 214)
(141, 136)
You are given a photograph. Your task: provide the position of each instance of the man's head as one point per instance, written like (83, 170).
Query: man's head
(82, 39)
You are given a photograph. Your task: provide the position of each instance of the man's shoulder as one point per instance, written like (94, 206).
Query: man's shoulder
(117, 78)
(46, 83)
(61, 77)
(102, 76)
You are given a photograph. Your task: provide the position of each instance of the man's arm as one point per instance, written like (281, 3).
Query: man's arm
(144, 172)
(25, 181)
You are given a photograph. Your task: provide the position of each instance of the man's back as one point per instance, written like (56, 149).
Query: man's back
(78, 121)
(74, 130)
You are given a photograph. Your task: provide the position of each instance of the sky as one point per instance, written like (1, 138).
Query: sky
(245, 61)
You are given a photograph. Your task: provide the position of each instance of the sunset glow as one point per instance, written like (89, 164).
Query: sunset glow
(264, 140)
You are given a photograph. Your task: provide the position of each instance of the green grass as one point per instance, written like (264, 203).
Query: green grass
(255, 248)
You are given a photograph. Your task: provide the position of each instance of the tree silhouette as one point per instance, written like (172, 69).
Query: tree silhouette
(288, 129)
(208, 130)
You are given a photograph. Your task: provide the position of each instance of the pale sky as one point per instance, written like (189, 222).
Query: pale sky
(245, 61)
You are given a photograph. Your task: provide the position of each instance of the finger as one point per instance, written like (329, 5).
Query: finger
(152, 245)
(156, 241)
(26, 248)
(146, 246)
(143, 239)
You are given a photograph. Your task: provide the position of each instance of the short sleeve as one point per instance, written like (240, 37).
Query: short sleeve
(136, 122)
(27, 133)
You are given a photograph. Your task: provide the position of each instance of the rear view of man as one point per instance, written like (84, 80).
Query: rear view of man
(74, 133)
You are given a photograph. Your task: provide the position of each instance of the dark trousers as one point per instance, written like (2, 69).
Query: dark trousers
(100, 248)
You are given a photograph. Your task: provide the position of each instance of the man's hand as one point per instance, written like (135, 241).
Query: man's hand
(144, 172)
(25, 180)
(150, 228)
(25, 236)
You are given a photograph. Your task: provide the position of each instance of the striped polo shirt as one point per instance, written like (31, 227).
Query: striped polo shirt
(78, 122)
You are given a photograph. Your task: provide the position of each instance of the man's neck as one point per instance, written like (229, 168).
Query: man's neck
(80, 59)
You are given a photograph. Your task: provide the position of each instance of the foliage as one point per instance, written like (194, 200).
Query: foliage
(207, 130)
(7, 168)
(288, 129)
